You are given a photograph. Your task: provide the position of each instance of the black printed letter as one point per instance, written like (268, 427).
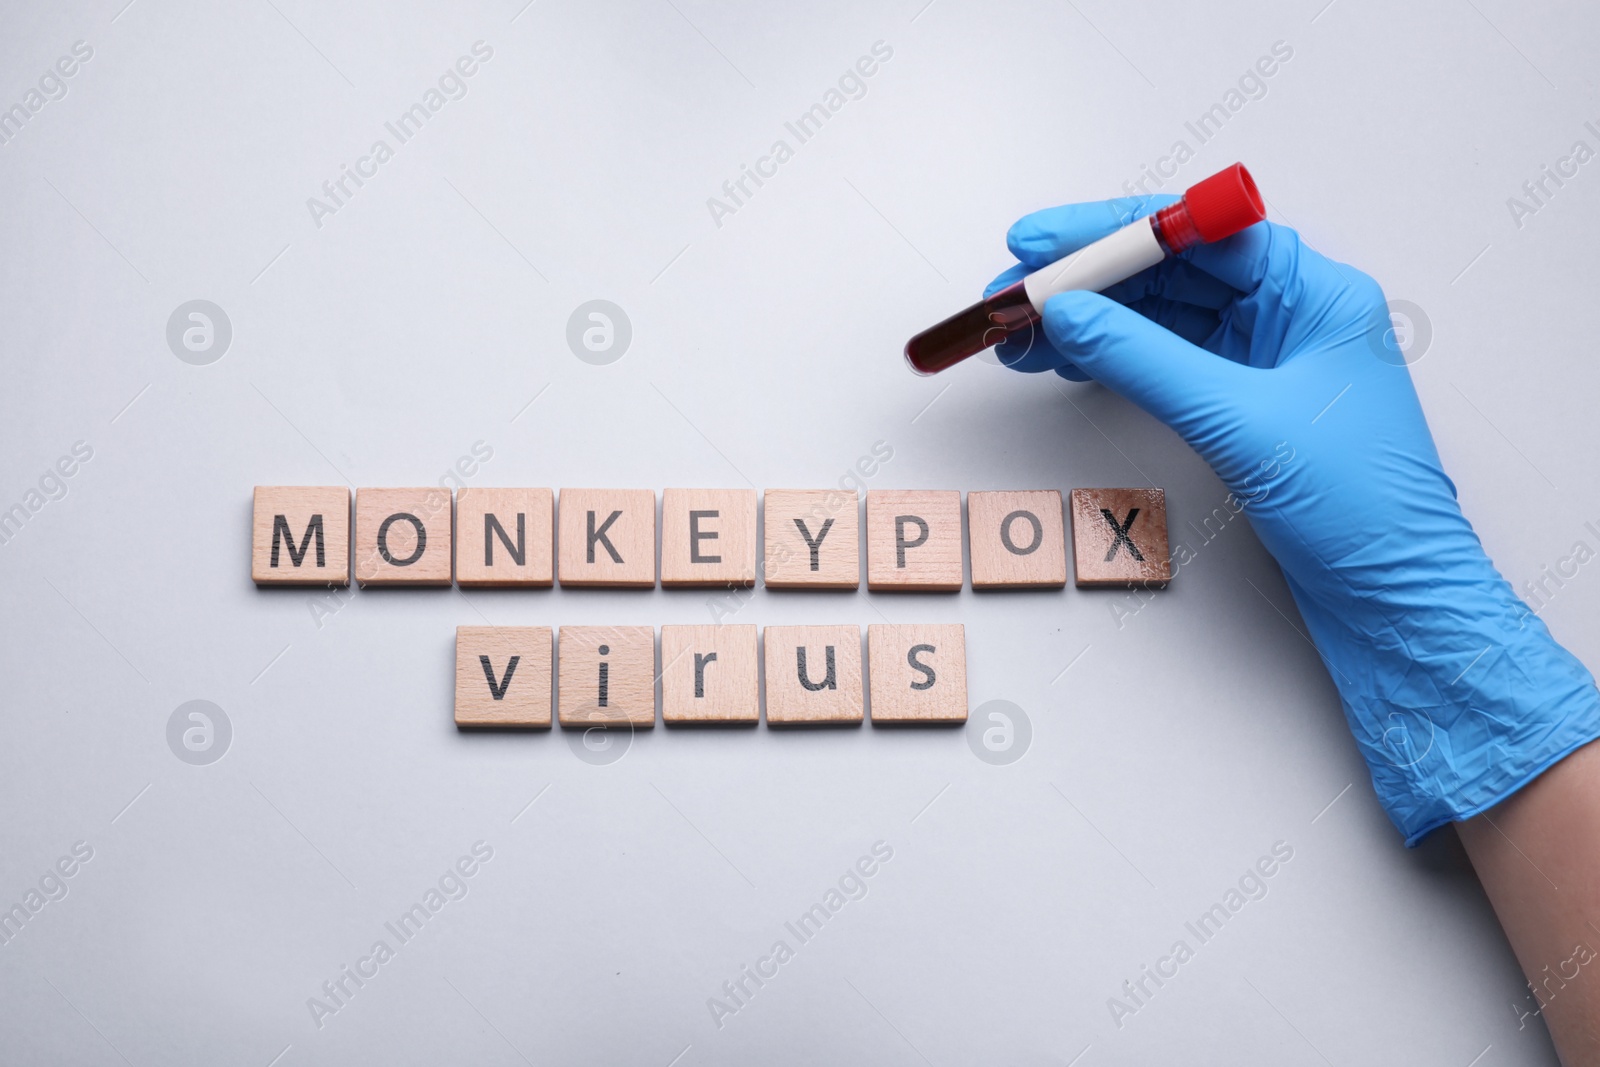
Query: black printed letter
(927, 671)
(383, 539)
(700, 661)
(1121, 530)
(696, 536)
(814, 544)
(828, 680)
(492, 528)
(280, 529)
(900, 542)
(1005, 533)
(498, 689)
(600, 536)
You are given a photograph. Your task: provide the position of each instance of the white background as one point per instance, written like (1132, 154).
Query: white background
(429, 310)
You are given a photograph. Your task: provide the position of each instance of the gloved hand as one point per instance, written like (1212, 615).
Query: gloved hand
(1257, 348)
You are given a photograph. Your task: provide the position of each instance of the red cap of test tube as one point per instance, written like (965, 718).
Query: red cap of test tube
(1211, 209)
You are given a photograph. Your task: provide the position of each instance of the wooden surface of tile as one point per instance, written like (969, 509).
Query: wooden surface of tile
(503, 676)
(1017, 539)
(606, 675)
(708, 674)
(403, 536)
(708, 537)
(917, 672)
(812, 539)
(606, 537)
(1119, 537)
(914, 540)
(300, 535)
(505, 537)
(813, 675)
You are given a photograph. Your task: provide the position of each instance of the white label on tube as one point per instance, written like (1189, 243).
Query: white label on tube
(1098, 266)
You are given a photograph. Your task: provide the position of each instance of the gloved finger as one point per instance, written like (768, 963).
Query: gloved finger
(1175, 281)
(1197, 325)
(1032, 355)
(1270, 258)
(1009, 276)
(1029, 351)
(1184, 386)
(1245, 259)
(1045, 236)
(1033, 352)
(1291, 290)
(1178, 280)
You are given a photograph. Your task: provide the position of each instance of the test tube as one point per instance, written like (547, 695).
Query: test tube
(1216, 207)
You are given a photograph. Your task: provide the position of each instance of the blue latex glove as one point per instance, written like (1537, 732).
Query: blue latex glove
(1255, 349)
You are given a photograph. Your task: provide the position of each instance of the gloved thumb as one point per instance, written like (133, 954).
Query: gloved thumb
(1184, 386)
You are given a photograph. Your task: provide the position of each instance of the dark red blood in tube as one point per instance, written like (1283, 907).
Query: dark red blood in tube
(966, 333)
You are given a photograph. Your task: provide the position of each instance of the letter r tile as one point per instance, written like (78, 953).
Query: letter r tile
(708, 675)
(606, 537)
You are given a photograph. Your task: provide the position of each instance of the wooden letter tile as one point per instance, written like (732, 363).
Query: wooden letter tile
(812, 539)
(708, 537)
(708, 674)
(506, 537)
(1119, 537)
(813, 675)
(300, 535)
(503, 676)
(914, 540)
(403, 536)
(607, 538)
(1018, 540)
(607, 675)
(918, 673)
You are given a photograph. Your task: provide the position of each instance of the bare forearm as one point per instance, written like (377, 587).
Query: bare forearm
(1538, 856)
